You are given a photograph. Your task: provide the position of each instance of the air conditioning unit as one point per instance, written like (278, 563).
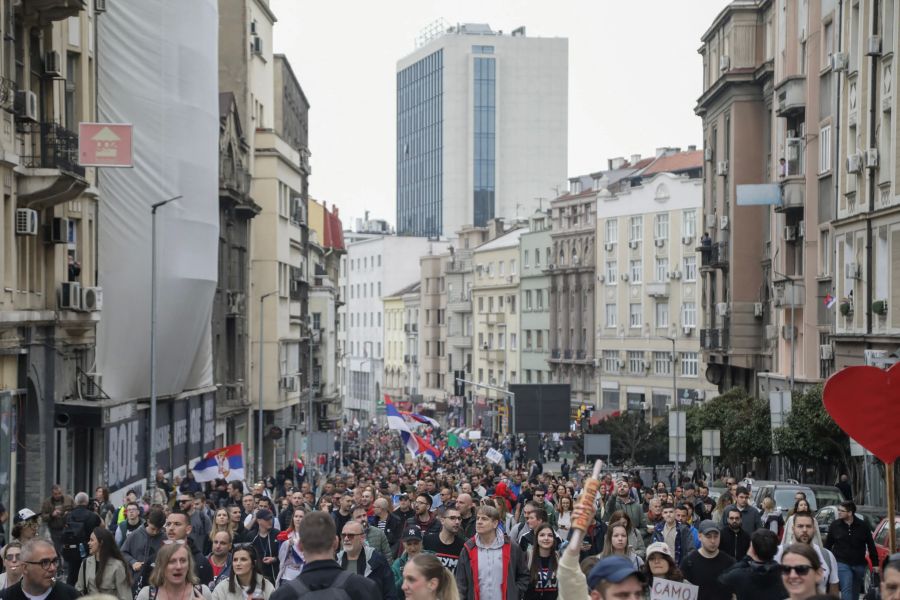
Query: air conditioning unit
(484, 346)
(633, 244)
(722, 309)
(621, 363)
(724, 63)
(624, 276)
(826, 352)
(687, 330)
(551, 266)
(676, 274)
(659, 242)
(851, 270)
(687, 240)
(757, 309)
(872, 158)
(801, 229)
(722, 168)
(57, 231)
(99, 6)
(790, 233)
(608, 246)
(707, 154)
(69, 296)
(52, 65)
(840, 61)
(26, 106)
(509, 278)
(256, 46)
(92, 385)
(873, 45)
(288, 383)
(853, 163)
(601, 278)
(92, 299)
(710, 220)
(723, 223)
(26, 221)
(789, 333)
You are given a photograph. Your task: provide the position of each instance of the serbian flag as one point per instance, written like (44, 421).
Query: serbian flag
(395, 421)
(298, 465)
(829, 300)
(426, 449)
(222, 463)
(421, 419)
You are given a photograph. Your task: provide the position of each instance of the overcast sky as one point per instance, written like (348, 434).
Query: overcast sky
(634, 77)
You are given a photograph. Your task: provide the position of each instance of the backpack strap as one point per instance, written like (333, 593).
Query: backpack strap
(341, 580)
(153, 591)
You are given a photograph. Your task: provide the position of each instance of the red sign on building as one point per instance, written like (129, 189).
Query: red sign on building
(105, 145)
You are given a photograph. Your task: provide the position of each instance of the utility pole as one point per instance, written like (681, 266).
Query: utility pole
(259, 432)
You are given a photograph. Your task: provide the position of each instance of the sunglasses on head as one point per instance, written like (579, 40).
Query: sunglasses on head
(801, 570)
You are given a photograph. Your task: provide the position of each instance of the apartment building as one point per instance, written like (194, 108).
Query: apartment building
(865, 227)
(648, 288)
(495, 298)
(435, 364)
(570, 266)
(396, 356)
(50, 304)
(534, 300)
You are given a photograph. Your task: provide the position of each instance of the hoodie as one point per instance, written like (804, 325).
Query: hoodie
(751, 580)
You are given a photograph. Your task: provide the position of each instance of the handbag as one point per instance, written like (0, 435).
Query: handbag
(874, 591)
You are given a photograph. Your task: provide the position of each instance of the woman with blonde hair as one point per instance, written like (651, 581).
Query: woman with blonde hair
(616, 543)
(173, 577)
(221, 522)
(425, 578)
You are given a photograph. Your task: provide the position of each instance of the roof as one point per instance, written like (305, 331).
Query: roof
(334, 231)
(507, 240)
(411, 288)
(675, 163)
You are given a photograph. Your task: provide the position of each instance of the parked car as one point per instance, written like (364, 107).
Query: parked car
(827, 495)
(783, 495)
(826, 515)
(881, 538)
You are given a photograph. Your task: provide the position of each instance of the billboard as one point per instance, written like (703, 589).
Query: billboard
(542, 408)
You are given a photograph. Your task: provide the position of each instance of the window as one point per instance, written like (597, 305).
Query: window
(662, 314)
(689, 314)
(610, 315)
(527, 299)
(501, 340)
(637, 229)
(634, 315)
(480, 375)
(825, 252)
(690, 364)
(528, 344)
(537, 258)
(481, 304)
(689, 228)
(612, 272)
(513, 341)
(662, 268)
(690, 268)
(512, 305)
(662, 226)
(512, 267)
(500, 268)
(527, 375)
(662, 363)
(612, 231)
(525, 259)
(825, 149)
(611, 362)
(637, 267)
(539, 335)
(635, 362)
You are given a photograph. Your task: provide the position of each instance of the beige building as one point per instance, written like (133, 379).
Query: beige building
(434, 369)
(648, 289)
(496, 324)
(50, 305)
(398, 360)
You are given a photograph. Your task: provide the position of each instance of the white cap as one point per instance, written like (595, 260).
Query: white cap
(25, 514)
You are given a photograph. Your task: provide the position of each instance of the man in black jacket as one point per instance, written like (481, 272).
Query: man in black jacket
(388, 522)
(756, 576)
(735, 541)
(80, 524)
(178, 531)
(318, 541)
(849, 537)
(266, 545)
(40, 566)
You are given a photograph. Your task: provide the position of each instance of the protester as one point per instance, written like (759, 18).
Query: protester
(702, 567)
(543, 563)
(131, 523)
(490, 561)
(358, 557)
(105, 570)
(140, 548)
(425, 578)
(617, 544)
(756, 576)
(412, 546)
(40, 567)
(801, 571)
(245, 582)
(12, 565)
(178, 531)
(735, 541)
(890, 578)
(290, 556)
(79, 523)
(174, 576)
(803, 527)
(447, 544)
(850, 538)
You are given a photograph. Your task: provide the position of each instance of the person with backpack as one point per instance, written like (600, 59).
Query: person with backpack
(173, 577)
(245, 582)
(140, 548)
(80, 522)
(322, 577)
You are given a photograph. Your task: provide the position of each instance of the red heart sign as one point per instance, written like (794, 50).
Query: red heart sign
(865, 403)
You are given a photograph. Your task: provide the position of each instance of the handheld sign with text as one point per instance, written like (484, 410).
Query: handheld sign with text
(663, 589)
(494, 456)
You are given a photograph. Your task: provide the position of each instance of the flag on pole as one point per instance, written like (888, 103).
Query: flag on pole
(426, 449)
(455, 441)
(395, 421)
(829, 300)
(226, 463)
(421, 419)
(298, 465)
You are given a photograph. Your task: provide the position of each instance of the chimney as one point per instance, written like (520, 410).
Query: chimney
(692, 148)
(635, 159)
(616, 163)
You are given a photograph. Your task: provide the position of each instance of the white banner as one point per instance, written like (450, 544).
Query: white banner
(663, 589)
(494, 456)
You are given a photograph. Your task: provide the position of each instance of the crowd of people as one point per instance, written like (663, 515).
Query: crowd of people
(459, 527)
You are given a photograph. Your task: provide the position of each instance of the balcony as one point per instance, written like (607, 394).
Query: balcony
(410, 359)
(567, 354)
(411, 328)
(49, 152)
(496, 355)
(581, 355)
(793, 194)
(52, 10)
(658, 289)
(791, 96)
(459, 304)
(496, 318)
(714, 256)
(233, 177)
(458, 266)
(554, 354)
(460, 341)
(713, 339)
(789, 293)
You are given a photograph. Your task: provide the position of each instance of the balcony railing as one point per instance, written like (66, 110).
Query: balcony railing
(580, 355)
(714, 339)
(233, 177)
(554, 353)
(567, 354)
(50, 146)
(714, 255)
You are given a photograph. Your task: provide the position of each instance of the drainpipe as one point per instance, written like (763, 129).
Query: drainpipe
(873, 119)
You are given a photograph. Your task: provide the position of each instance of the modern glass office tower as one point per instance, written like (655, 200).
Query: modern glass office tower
(482, 120)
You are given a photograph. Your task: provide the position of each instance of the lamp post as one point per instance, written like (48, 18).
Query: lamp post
(259, 431)
(151, 478)
(675, 402)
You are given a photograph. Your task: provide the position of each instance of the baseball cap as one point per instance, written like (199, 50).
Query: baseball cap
(707, 526)
(613, 569)
(25, 514)
(264, 514)
(658, 547)
(413, 533)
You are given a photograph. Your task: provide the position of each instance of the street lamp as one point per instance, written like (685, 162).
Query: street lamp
(151, 478)
(675, 401)
(259, 439)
